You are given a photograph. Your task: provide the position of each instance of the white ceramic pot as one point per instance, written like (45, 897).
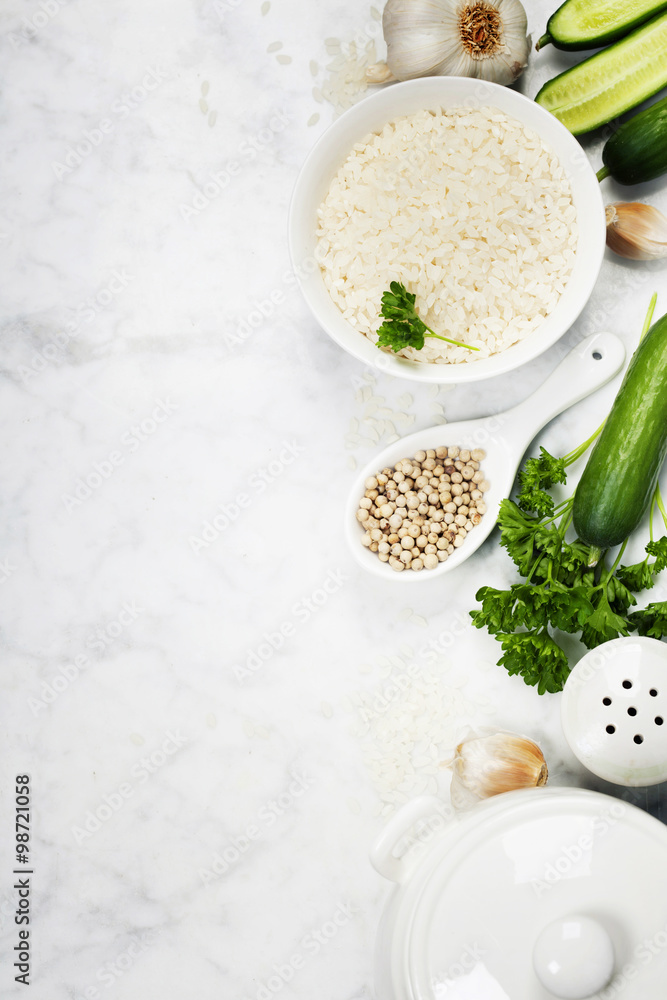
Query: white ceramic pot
(533, 894)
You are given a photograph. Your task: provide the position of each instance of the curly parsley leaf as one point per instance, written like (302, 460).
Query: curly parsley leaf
(402, 326)
(658, 548)
(639, 576)
(603, 624)
(651, 621)
(524, 537)
(569, 610)
(537, 657)
(573, 568)
(505, 610)
(619, 596)
(538, 475)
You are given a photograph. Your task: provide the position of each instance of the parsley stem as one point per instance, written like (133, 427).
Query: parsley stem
(649, 316)
(458, 343)
(578, 452)
(617, 560)
(657, 496)
(562, 508)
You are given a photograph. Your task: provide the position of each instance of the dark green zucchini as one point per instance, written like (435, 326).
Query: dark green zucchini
(610, 82)
(622, 470)
(637, 151)
(590, 24)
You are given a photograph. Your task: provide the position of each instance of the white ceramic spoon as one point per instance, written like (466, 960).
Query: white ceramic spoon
(505, 438)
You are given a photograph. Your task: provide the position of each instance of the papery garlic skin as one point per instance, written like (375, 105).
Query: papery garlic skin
(636, 231)
(485, 39)
(487, 765)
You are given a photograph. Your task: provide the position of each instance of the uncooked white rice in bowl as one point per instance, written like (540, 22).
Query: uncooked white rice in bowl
(470, 210)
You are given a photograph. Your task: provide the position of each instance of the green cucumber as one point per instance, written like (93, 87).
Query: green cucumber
(610, 82)
(622, 470)
(590, 24)
(637, 151)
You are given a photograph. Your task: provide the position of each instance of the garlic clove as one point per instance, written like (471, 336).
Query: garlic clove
(636, 231)
(477, 38)
(488, 765)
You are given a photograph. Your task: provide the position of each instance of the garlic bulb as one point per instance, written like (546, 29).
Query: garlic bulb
(480, 38)
(636, 231)
(487, 765)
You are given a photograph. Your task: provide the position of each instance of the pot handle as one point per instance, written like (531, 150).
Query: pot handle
(382, 855)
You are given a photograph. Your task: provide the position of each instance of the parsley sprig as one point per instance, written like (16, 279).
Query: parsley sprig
(568, 586)
(402, 325)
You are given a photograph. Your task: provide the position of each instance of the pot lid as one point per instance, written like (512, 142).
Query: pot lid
(534, 894)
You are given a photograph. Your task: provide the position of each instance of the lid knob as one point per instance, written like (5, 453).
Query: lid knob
(573, 957)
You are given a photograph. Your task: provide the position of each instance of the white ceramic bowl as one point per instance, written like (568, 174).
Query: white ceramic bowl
(407, 98)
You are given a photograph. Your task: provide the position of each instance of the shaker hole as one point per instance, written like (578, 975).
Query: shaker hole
(658, 720)
(638, 738)
(611, 729)
(653, 693)
(627, 685)
(632, 711)
(606, 701)
(596, 355)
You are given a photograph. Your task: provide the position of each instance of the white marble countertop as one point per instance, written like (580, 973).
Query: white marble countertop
(188, 647)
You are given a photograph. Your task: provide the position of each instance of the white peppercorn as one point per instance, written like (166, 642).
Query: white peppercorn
(414, 515)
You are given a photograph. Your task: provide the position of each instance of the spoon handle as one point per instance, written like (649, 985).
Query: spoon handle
(589, 366)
